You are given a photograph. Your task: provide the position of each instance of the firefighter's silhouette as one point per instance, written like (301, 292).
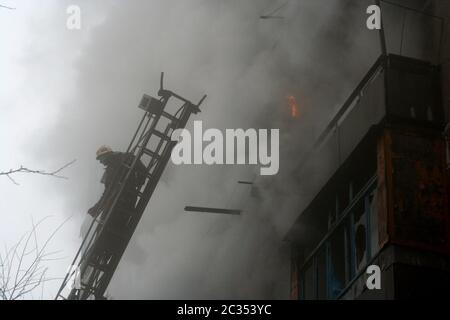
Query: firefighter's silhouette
(116, 166)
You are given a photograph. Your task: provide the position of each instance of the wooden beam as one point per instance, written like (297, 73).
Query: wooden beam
(213, 210)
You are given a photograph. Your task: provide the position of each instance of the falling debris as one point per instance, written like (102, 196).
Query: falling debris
(271, 17)
(245, 182)
(213, 210)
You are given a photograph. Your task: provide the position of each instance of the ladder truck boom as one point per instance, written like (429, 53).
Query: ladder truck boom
(109, 234)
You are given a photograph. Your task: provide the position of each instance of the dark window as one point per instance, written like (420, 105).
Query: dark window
(321, 275)
(343, 197)
(309, 288)
(373, 212)
(346, 250)
(360, 235)
(337, 268)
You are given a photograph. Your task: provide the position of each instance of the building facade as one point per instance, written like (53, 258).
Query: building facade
(384, 200)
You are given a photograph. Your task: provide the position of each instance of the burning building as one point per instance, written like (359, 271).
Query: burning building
(382, 191)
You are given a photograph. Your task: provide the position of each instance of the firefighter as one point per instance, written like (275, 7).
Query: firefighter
(115, 171)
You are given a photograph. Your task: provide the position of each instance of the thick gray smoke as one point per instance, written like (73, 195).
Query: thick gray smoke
(247, 66)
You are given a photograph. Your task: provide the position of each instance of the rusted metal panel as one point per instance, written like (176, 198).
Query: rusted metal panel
(295, 286)
(416, 192)
(382, 190)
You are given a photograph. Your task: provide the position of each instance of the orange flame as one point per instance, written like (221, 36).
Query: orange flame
(293, 106)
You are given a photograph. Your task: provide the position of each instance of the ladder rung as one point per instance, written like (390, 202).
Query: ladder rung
(169, 116)
(151, 153)
(161, 135)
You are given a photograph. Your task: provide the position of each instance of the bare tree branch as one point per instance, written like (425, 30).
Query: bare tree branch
(21, 266)
(23, 169)
(10, 8)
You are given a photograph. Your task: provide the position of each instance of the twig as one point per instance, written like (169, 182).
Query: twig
(17, 282)
(23, 169)
(10, 8)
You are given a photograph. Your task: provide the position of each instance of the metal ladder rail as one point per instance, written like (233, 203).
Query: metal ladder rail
(96, 231)
(188, 109)
(160, 164)
(154, 121)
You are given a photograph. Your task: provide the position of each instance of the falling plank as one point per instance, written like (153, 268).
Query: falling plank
(213, 210)
(271, 17)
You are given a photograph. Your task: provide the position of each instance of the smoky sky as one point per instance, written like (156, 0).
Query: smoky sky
(248, 66)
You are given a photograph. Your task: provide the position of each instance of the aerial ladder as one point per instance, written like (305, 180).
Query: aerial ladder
(110, 232)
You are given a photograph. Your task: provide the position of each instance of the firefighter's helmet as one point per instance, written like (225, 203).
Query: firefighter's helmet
(102, 151)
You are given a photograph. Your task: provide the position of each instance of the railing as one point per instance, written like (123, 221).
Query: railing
(396, 89)
(347, 223)
(364, 108)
